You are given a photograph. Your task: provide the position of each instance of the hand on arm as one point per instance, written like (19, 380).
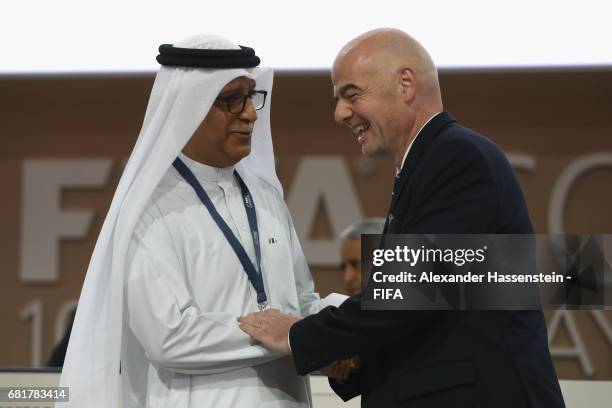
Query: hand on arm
(270, 327)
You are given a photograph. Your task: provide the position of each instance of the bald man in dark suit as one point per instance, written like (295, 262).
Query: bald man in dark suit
(450, 180)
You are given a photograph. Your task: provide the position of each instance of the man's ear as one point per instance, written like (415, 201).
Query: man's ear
(407, 83)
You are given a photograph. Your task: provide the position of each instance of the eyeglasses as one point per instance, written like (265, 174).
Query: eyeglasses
(235, 103)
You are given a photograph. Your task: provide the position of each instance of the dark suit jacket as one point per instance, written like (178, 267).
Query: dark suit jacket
(454, 181)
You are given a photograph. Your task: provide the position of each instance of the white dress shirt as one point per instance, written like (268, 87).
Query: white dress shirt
(398, 169)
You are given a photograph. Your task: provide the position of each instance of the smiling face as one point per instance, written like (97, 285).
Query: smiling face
(369, 102)
(386, 86)
(224, 138)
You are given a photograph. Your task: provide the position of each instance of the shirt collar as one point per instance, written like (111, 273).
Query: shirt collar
(206, 172)
(399, 169)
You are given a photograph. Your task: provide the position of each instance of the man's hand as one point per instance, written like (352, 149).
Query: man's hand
(270, 327)
(340, 369)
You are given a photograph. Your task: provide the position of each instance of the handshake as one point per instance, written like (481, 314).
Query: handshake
(271, 328)
(339, 370)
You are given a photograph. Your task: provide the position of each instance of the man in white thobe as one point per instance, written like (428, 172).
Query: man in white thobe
(163, 263)
(186, 286)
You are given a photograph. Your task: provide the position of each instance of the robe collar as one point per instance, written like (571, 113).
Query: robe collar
(208, 173)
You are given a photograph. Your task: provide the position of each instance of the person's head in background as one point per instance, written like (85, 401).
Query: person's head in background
(350, 251)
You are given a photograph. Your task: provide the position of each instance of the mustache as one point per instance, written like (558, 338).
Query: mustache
(242, 130)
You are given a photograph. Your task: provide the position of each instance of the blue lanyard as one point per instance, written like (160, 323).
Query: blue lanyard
(253, 274)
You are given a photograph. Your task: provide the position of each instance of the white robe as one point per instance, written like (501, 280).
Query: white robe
(185, 288)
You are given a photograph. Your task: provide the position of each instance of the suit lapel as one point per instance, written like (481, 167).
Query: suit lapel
(421, 143)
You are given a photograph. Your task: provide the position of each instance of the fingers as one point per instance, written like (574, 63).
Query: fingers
(252, 330)
(251, 319)
(338, 370)
(344, 369)
(327, 371)
(270, 327)
(258, 318)
(331, 371)
(252, 324)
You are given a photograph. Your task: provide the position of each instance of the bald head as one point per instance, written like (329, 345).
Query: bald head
(387, 89)
(385, 51)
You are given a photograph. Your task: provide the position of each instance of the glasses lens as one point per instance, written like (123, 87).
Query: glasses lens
(236, 103)
(259, 99)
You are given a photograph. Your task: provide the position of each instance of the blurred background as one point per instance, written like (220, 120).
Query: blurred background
(75, 80)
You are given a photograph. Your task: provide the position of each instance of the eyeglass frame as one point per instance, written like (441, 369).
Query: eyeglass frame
(226, 101)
